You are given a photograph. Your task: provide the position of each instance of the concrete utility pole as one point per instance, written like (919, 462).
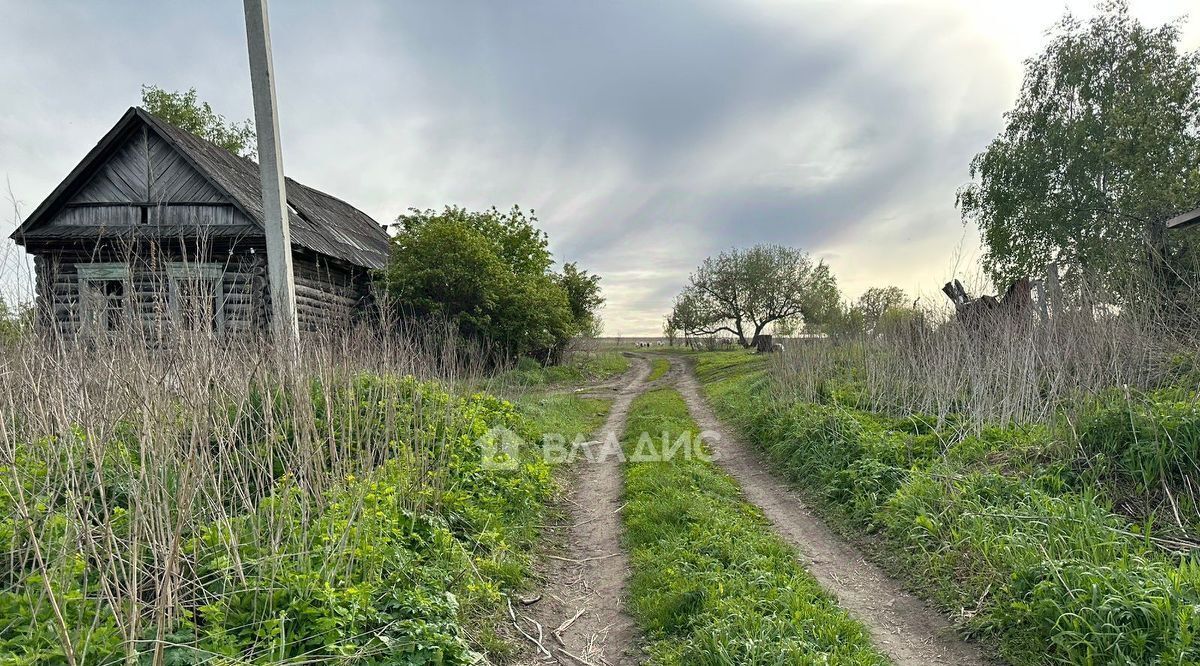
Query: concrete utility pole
(270, 167)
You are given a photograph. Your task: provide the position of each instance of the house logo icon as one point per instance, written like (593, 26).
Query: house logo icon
(499, 449)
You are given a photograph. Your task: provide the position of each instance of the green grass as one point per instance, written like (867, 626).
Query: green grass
(563, 413)
(1016, 525)
(658, 368)
(711, 583)
(580, 368)
(354, 569)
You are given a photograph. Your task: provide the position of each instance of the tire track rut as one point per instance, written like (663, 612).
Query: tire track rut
(901, 625)
(586, 578)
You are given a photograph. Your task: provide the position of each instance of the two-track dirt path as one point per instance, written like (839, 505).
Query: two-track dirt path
(586, 573)
(901, 625)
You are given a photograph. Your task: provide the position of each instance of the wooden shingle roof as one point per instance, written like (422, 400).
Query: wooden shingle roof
(319, 222)
(1186, 219)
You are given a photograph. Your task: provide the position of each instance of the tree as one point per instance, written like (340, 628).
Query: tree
(185, 111)
(848, 322)
(490, 273)
(875, 303)
(12, 321)
(1102, 146)
(788, 326)
(584, 298)
(743, 291)
(670, 329)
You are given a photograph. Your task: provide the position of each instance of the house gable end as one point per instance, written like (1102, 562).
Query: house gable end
(134, 167)
(145, 169)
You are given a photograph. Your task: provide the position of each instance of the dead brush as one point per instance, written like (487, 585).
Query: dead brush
(117, 450)
(1114, 390)
(1005, 371)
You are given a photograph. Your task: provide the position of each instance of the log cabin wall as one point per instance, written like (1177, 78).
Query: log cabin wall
(151, 276)
(330, 295)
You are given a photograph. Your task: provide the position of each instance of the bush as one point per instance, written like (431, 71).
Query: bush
(490, 273)
(1009, 527)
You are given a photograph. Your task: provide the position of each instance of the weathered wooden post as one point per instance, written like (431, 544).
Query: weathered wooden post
(1054, 289)
(270, 167)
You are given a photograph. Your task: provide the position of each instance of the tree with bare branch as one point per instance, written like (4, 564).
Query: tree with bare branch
(741, 292)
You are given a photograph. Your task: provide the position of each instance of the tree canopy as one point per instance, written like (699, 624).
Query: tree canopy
(583, 297)
(741, 292)
(875, 303)
(490, 272)
(1102, 146)
(12, 321)
(185, 111)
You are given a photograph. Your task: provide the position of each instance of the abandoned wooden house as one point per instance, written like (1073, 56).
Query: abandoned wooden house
(157, 228)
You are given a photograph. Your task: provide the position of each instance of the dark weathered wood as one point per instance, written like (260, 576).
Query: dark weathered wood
(153, 200)
(978, 313)
(764, 344)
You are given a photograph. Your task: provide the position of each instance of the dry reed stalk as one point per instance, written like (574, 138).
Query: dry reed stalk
(117, 450)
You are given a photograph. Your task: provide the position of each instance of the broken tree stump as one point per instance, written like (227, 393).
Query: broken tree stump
(1016, 303)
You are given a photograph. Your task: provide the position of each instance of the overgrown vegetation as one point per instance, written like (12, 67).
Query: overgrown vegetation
(210, 504)
(13, 321)
(579, 367)
(1065, 536)
(490, 273)
(1099, 151)
(185, 111)
(711, 583)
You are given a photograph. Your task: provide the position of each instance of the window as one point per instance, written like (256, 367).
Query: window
(104, 295)
(196, 297)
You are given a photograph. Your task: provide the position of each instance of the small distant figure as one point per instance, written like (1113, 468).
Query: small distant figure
(776, 347)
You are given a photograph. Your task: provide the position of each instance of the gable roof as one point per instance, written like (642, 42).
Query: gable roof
(1186, 219)
(318, 221)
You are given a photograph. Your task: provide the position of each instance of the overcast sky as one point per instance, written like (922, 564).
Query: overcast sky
(646, 135)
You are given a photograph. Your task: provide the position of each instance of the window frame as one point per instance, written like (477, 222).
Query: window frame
(178, 271)
(87, 273)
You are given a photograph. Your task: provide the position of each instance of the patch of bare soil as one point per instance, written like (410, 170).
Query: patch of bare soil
(579, 617)
(605, 388)
(901, 625)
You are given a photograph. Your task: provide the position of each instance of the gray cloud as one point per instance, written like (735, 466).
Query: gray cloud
(646, 135)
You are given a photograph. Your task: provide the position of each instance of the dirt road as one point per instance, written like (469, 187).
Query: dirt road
(901, 626)
(585, 574)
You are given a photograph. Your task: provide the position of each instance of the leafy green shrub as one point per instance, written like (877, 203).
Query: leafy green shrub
(490, 273)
